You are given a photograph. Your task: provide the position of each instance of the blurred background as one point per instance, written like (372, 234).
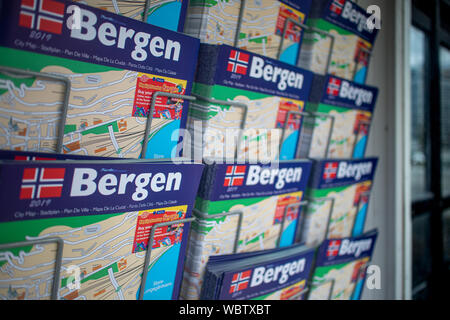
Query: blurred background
(411, 135)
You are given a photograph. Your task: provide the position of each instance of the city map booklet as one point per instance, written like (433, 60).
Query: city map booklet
(244, 207)
(340, 267)
(267, 27)
(80, 230)
(338, 194)
(81, 80)
(347, 23)
(275, 94)
(346, 110)
(277, 274)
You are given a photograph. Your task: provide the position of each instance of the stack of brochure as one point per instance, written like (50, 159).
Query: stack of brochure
(243, 208)
(338, 196)
(268, 27)
(344, 116)
(278, 274)
(344, 29)
(254, 98)
(90, 93)
(340, 268)
(83, 229)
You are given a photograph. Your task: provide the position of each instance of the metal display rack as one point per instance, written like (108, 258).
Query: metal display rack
(60, 247)
(316, 115)
(146, 9)
(204, 216)
(290, 113)
(196, 214)
(300, 218)
(330, 133)
(307, 114)
(287, 20)
(239, 105)
(201, 216)
(65, 102)
(332, 281)
(361, 270)
(54, 294)
(311, 30)
(307, 29)
(330, 213)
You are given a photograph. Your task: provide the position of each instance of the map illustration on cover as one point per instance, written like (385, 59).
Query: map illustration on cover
(74, 79)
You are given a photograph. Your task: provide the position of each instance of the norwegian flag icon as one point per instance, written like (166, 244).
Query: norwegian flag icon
(42, 183)
(333, 248)
(42, 15)
(234, 176)
(337, 6)
(240, 281)
(334, 85)
(238, 62)
(330, 170)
